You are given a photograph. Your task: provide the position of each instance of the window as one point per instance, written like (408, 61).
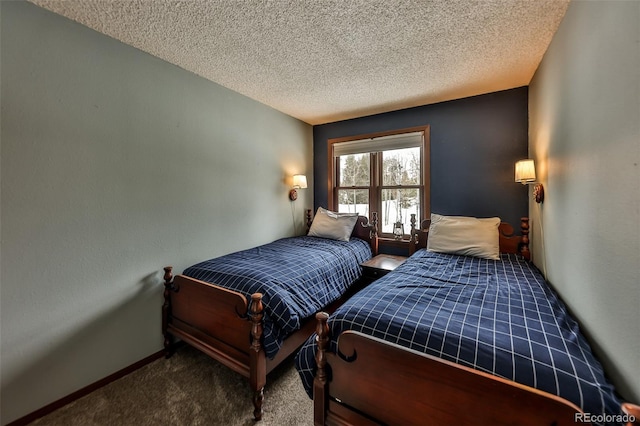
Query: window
(386, 173)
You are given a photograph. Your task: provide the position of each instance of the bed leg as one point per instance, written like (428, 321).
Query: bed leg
(258, 398)
(166, 311)
(257, 357)
(320, 391)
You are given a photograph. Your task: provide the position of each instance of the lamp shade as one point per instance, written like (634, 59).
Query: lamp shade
(299, 181)
(525, 171)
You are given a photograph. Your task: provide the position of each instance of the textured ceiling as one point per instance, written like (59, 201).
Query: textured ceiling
(328, 60)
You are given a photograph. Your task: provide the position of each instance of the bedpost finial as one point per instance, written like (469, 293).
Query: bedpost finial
(309, 219)
(256, 309)
(168, 274)
(322, 329)
(524, 244)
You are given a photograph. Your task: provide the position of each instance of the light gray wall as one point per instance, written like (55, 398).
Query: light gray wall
(115, 164)
(585, 137)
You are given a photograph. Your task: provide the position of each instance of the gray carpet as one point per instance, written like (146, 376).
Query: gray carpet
(188, 389)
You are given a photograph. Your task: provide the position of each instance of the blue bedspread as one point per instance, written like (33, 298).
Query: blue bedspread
(297, 277)
(498, 317)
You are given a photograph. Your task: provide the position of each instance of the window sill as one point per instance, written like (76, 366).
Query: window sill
(393, 242)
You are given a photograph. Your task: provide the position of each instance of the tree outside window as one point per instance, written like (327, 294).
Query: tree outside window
(386, 174)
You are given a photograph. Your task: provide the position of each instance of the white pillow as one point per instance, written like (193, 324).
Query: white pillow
(336, 226)
(467, 236)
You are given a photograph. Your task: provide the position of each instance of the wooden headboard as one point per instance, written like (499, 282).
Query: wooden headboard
(364, 229)
(509, 242)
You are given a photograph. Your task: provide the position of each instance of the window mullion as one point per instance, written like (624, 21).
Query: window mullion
(375, 182)
(337, 181)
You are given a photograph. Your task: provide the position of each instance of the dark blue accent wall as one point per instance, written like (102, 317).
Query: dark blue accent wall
(475, 143)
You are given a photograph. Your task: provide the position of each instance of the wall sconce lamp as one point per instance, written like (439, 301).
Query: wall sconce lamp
(526, 174)
(299, 182)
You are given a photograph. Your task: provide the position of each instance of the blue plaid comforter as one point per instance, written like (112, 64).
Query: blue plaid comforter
(297, 277)
(499, 317)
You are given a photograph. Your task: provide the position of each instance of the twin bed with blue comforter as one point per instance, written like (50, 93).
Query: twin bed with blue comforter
(497, 317)
(251, 309)
(443, 338)
(296, 276)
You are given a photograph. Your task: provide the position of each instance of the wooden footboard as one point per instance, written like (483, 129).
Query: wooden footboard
(224, 325)
(371, 381)
(220, 323)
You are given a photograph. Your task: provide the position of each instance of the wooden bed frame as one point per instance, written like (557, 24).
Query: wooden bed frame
(371, 381)
(224, 325)
(508, 241)
(376, 382)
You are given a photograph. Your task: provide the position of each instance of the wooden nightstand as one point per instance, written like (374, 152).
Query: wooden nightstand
(380, 265)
